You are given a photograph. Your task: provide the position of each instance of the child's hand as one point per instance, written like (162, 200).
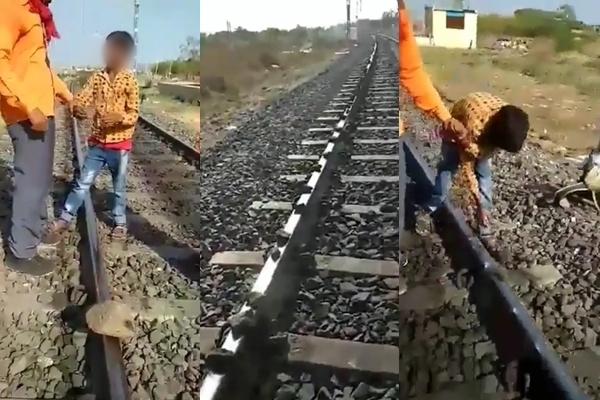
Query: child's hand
(111, 119)
(79, 112)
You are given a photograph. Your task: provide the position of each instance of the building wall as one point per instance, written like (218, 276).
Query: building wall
(452, 37)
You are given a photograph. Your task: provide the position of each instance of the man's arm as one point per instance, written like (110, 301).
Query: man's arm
(11, 86)
(61, 89)
(412, 75)
(132, 104)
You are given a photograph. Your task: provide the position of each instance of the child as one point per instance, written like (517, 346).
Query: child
(113, 93)
(491, 125)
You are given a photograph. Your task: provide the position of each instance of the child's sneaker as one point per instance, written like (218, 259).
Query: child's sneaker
(119, 232)
(55, 232)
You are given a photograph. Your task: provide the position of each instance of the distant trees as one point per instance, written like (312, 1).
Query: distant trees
(561, 25)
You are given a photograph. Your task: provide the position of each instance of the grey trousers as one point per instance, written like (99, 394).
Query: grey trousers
(33, 164)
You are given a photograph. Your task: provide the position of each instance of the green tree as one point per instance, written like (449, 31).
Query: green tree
(568, 12)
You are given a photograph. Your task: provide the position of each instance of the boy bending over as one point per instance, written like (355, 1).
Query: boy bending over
(491, 125)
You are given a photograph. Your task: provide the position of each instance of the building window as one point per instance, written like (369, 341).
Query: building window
(455, 20)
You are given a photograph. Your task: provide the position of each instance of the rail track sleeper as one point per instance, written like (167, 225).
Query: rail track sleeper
(308, 352)
(346, 178)
(348, 265)
(377, 128)
(364, 157)
(345, 208)
(357, 141)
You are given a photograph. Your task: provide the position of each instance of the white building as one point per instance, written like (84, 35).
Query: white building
(450, 28)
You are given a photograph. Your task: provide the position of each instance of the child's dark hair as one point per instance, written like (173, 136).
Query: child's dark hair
(507, 129)
(122, 39)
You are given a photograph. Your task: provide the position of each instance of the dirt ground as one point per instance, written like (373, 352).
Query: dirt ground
(561, 92)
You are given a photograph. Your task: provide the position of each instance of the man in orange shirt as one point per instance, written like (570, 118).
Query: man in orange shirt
(415, 81)
(28, 89)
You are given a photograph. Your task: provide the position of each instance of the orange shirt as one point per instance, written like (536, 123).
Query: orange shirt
(413, 77)
(26, 80)
(119, 96)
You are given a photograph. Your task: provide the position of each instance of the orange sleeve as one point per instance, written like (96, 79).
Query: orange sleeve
(61, 89)
(413, 77)
(132, 107)
(11, 86)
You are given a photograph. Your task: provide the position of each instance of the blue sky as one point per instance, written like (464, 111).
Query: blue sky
(83, 25)
(164, 24)
(283, 14)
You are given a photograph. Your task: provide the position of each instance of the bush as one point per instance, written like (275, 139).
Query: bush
(533, 23)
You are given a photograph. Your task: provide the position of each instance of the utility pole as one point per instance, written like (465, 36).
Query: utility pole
(348, 19)
(136, 18)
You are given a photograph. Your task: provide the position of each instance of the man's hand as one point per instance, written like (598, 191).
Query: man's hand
(39, 122)
(454, 131)
(111, 119)
(455, 126)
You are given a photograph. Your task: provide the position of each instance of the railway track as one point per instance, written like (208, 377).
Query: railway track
(155, 272)
(515, 308)
(344, 319)
(52, 354)
(468, 338)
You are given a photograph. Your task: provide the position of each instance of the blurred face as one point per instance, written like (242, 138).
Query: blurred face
(113, 55)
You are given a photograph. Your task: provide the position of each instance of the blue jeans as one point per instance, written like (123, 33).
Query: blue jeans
(95, 159)
(447, 166)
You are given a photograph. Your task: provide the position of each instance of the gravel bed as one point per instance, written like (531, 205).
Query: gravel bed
(550, 236)
(375, 134)
(375, 168)
(330, 387)
(368, 193)
(41, 357)
(245, 167)
(356, 309)
(163, 360)
(265, 156)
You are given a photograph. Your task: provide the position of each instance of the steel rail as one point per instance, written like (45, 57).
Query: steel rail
(507, 322)
(103, 353)
(189, 153)
(274, 284)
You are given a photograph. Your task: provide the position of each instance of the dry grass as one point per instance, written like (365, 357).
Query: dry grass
(236, 78)
(561, 92)
(188, 114)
